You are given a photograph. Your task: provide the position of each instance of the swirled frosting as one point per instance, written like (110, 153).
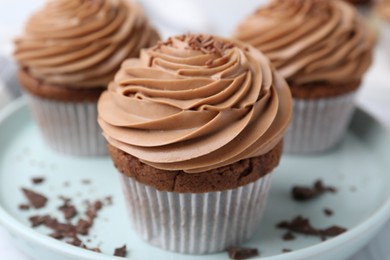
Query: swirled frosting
(81, 43)
(311, 41)
(383, 8)
(195, 103)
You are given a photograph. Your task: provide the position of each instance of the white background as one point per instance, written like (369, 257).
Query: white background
(219, 17)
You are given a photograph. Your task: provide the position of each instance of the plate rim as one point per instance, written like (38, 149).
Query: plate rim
(375, 220)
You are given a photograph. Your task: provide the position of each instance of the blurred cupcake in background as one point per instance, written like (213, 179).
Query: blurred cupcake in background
(383, 11)
(69, 51)
(323, 48)
(364, 7)
(195, 126)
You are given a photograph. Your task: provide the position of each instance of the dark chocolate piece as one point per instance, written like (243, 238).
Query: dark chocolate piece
(288, 236)
(36, 200)
(238, 253)
(302, 225)
(303, 193)
(328, 212)
(68, 209)
(24, 207)
(121, 251)
(37, 180)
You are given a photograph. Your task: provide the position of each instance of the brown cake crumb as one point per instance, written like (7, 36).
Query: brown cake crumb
(303, 226)
(328, 212)
(37, 180)
(238, 253)
(286, 250)
(36, 200)
(303, 193)
(121, 251)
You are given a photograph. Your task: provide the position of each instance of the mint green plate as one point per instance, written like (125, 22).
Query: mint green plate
(359, 168)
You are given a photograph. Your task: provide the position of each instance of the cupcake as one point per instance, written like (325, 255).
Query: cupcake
(383, 10)
(363, 6)
(195, 127)
(323, 49)
(69, 52)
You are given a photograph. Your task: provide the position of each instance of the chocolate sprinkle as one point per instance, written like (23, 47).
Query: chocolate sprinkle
(37, 180)
(121, 251)
(36, 200)
(328, 212)
(302, 225)
(239, 253)
(303, 193)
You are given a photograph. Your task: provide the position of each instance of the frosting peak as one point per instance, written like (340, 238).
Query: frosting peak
(311, 40)
(81, 43)
(195, 103)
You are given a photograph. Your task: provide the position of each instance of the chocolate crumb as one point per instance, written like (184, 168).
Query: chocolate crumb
(328, 212)
(36, 200)
(38, 180)
(238, 253)
(288, 236)
(76, 242)
(333, 231)
(303, 193)
(302, 225)
(286, 250)
(37, 220)
(68, 209)
(56, 235)
(24, 207)
(121, 251)
(83, 226)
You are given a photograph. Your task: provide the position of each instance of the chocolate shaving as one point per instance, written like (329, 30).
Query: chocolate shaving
(37, 180)
(24, 207)
(303, 193)
(288, 236)
(83, 226)
(36, 200)
(56, 235)
(121, 251)
(238, 253)
(328, 212)
(302, 225)
(68, 209)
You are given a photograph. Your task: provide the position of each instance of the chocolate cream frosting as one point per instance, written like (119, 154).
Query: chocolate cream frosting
(195, 103)
(383, 8)
(81, 43)
(311, 40)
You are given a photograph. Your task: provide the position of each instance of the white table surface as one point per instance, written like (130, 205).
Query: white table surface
(374, 95)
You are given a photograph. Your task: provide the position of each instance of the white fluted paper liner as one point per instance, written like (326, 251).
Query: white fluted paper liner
(319, 124)
(385, 35)
(196, 223)
(69, 128)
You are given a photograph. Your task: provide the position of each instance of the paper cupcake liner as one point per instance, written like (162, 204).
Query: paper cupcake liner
(69, 128)
(196, 223)
(385, 37)
(318, 125)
